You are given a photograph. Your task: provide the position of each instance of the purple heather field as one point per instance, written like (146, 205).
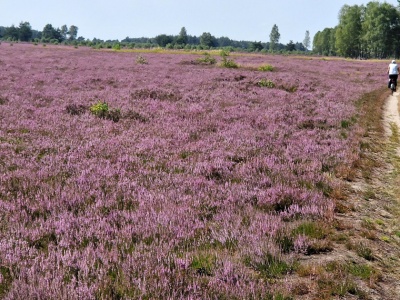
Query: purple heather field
(189, 194)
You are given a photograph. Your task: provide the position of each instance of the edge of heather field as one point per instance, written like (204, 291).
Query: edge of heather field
(375, 195)
(365, 234)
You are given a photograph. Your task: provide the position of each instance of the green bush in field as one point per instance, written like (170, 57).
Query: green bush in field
(266, 83)
(101, 110)
(226, 62)
(229, 63)
(207, 59)
(266, 68)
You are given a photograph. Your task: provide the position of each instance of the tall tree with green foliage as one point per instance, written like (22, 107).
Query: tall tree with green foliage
(349, 31)
(163, 40)
(307, 40)
(224, 41)
(381, 28)
(73, 32)
(256, 46)
(64, 31)
(208, 40)
(12, 33)
(50, 33)
(324, 42)
(290, 46)
(182, 38)
(274, 37)
(25, 32)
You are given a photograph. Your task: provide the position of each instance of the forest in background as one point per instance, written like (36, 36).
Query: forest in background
(69, 35)
(363, 31)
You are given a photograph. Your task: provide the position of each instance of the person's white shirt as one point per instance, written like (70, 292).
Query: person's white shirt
(393, 68)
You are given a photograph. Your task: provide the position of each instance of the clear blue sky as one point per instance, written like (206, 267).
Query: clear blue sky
(250, 20)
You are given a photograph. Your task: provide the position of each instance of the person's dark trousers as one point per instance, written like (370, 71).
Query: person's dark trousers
(394, 77)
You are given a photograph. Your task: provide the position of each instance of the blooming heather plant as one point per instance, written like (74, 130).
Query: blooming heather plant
(198, 192)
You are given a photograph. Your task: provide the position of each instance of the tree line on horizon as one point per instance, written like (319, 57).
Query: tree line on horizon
(49, 34)
(69, 35)
(364, 31)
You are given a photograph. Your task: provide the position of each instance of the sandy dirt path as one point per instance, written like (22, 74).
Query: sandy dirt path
(391, 116)
(391, 113)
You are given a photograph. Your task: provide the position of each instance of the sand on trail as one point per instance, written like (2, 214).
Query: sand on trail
(391, 114)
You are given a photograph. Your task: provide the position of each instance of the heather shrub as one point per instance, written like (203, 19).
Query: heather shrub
(157, 94)
(44, 241)
(288, 87)
(133, 115)
(114, 115)
(76, 109)
(6, 280)
(3, 100)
